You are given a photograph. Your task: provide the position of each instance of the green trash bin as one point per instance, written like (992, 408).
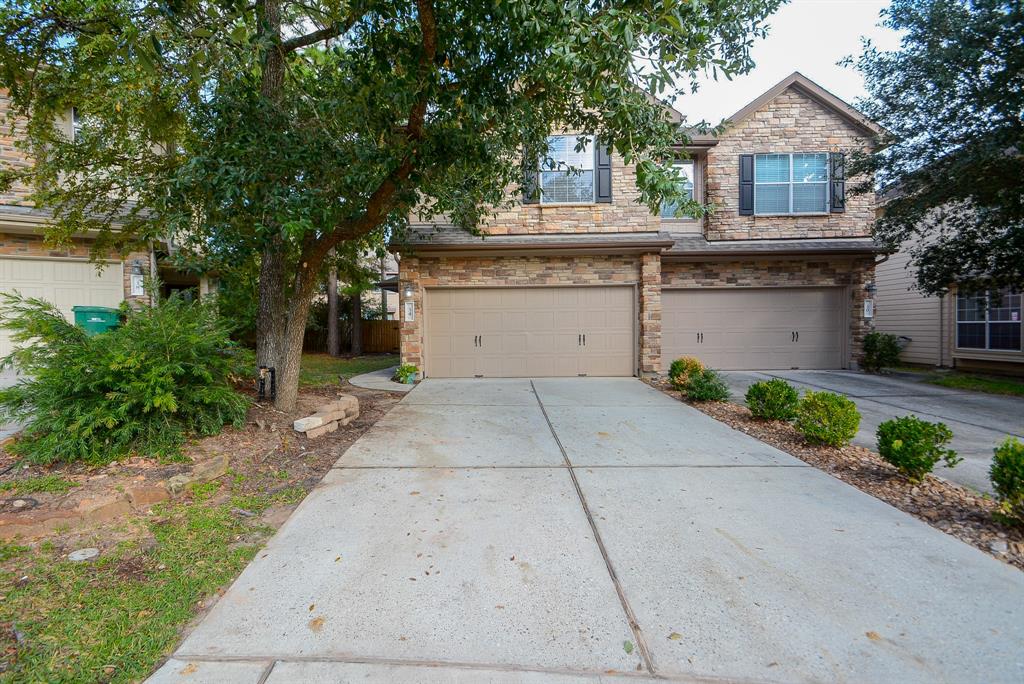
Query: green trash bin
(96, 319)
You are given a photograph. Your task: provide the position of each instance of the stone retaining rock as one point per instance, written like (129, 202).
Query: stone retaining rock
(329, 417)
(72, 512)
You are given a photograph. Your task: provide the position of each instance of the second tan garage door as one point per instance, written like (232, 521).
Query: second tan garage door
(529, 332)
(770, 328)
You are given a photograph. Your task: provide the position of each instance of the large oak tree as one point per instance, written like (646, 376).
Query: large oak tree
(951, 99)
(281, 130)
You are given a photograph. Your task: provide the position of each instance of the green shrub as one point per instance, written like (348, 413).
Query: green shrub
(405, 372)
(706, 385)
(143, 388)
(681, 369)
(774, 399)
(881, 350)
(827, 418)
(1007, 475)
(914, 446)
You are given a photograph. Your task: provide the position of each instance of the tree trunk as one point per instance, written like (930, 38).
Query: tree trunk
(333, 337)
(281, 321)
(357, 324)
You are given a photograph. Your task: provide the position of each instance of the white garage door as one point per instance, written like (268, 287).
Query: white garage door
(64, 282)
(529, 332)
(770, 328)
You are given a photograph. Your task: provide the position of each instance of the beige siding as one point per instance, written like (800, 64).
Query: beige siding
(902, 310)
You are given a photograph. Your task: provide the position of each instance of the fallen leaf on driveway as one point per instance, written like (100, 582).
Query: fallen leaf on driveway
(627, 646)
(311, 607)
(188, 669)
(413, 493)
(316, 624)
(675, 636)
(874, 636)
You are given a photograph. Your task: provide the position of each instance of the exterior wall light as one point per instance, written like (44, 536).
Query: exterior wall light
(407, 291)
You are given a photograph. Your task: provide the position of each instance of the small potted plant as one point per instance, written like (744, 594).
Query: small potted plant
(406, 373)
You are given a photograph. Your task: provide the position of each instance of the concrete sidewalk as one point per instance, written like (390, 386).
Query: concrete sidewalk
(979, 421)
(595, 530)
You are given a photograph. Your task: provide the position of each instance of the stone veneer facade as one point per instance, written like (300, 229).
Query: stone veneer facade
(622, 215)
(792, 122)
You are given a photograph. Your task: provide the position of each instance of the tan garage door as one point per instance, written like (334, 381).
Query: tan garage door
(770, 328)
(64, 282)
(529, 332)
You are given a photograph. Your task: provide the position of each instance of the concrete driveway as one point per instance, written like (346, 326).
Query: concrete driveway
(595, 530)
(978, 421)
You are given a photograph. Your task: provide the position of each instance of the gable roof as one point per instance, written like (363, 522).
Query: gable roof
(814, 91)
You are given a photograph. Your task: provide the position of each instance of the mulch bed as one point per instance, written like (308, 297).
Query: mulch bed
(955, 510)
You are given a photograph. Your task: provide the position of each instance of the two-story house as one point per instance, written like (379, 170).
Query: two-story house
(65, 275)
(580, 279)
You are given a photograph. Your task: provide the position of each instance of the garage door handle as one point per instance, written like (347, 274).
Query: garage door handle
(481, 340)
(579, 340)
(584, 339)
(797, 336)
(792, 336)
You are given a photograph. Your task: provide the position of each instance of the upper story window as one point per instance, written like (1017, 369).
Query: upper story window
(791, 183)
(684, 169)
(989, 321)
(567, 173)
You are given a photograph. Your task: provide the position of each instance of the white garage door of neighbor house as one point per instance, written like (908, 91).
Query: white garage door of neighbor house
(64, 282)
(530, 332)
(769, 328)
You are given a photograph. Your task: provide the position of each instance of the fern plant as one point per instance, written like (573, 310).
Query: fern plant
(144, 388)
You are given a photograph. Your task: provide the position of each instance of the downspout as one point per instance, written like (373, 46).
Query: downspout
(942, 331)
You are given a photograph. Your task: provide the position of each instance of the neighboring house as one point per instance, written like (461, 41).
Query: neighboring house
(583, 280)
(969, 331)
(63, 276)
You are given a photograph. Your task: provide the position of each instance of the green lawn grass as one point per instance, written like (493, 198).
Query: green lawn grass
(324, 369)
(980, 383)
(114, 618)
(53, 484)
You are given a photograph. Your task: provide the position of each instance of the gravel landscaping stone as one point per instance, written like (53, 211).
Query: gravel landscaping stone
(83, 555)
(958, 511)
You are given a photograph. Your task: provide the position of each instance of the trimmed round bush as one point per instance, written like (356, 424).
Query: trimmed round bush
(706, 385)
(914, 446)
(827, 418)
(1007, 475)
(774, 399)
(681, 369)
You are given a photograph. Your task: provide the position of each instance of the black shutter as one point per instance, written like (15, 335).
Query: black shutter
(837, 182)
(602, 173)
(530, 195)
(746, 185)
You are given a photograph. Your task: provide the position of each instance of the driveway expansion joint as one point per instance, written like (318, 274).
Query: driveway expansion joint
(634, 625)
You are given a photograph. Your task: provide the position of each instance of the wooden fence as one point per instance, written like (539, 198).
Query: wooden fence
(378, 337)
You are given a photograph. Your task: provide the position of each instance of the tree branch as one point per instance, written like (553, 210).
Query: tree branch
(333, 31)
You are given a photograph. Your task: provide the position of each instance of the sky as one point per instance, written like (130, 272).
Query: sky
(809, 36)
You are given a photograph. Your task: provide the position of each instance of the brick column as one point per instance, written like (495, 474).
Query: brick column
(410, 332)
(650, 315)
(862, 273)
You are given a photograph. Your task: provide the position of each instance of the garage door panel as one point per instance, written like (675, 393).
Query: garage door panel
(754, 328)
(64, 282)
(527, 332)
